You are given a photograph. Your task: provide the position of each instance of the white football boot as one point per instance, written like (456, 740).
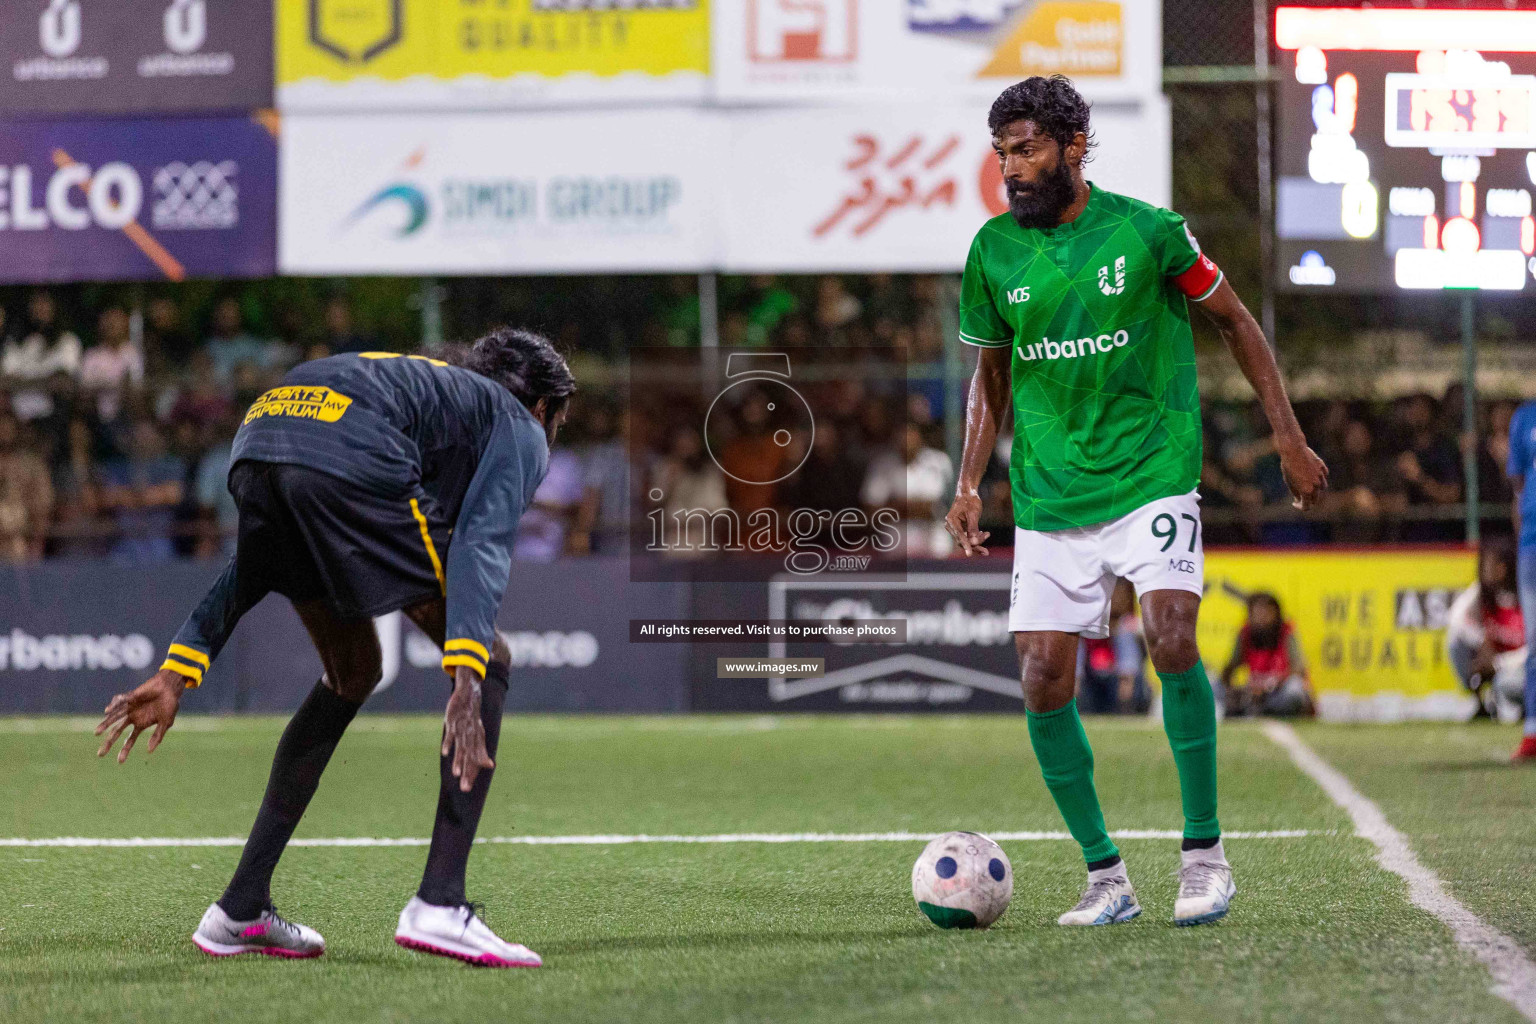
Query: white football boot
(458, 932)
(1205, 887)
(1109, 899)
(220, 935)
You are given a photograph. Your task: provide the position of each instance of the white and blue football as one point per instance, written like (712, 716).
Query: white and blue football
(962, 880)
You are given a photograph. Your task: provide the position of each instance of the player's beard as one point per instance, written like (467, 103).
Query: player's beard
(1039, 206)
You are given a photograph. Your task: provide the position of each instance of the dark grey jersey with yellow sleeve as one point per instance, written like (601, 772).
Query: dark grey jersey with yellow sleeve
(403, 427)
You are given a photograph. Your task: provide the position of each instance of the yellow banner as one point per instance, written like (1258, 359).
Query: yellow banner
(1371, 624)
(1077, 38)
(393, 40)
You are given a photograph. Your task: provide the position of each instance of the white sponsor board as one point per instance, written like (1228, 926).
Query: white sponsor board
(498, 193)
(941, 50)
(894, 187)
(845, 188)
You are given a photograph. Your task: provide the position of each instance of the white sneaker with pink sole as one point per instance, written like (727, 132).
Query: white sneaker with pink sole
(458, 932)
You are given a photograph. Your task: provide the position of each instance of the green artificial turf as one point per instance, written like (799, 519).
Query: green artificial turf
(732, 932)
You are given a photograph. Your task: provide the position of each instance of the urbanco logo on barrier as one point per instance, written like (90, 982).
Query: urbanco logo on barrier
(184, 29)
(61, 32)
(20, 651)
(399, 643)
(760, 462)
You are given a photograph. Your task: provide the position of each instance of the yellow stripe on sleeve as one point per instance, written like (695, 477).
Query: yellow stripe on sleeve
(470, 646)
(426, 538)
(191, 654)
(194, 676)
(450, 660)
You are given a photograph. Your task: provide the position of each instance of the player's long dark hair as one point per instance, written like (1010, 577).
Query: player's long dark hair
(1056, 107)
(523, 362)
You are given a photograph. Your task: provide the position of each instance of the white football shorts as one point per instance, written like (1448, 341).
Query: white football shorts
(1063, 579)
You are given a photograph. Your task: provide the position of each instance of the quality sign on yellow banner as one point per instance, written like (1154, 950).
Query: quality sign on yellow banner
(424, 54)
(1371, 623)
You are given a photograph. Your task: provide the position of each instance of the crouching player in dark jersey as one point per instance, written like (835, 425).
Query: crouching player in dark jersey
(350, 479)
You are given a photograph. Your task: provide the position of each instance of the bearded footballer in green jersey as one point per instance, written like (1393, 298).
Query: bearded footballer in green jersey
(1078, 298)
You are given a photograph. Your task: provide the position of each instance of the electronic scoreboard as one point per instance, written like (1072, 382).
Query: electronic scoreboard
(1407, 149)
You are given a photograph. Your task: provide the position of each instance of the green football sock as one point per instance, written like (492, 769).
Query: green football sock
(1189, 718)
(1066, 761)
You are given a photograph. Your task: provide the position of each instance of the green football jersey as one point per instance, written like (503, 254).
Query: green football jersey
(1106, 406)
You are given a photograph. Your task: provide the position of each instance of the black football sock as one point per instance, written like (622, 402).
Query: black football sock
(458, 813)
(301, 757)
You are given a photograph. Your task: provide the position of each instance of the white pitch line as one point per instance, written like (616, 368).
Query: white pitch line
(625, 840)
(1514, 974)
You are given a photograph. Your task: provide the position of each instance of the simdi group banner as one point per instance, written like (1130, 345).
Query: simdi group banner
(122, 199)
(934, 49)
(467, 54)
(498, 193)
(134, 56)
(863, 187)
(1371, 624)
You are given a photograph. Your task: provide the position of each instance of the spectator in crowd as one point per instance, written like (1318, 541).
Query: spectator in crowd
(112, 365)
(1363, 490)
(1268, 652)
(1111, 674)
(768, 302)
(201, 400)
(545, 529)
(218, 515)
(26, 496)
(230, 345)
(167, 342)
(1428, 462)
(1493, 456)
(143, 490)
(605, 502)
(687, 481)
(79, 528)
(340, 333)
(836, 308)
(755, 458)
(34, 363)
(829, 480)
(1485, 632)
(915, 481)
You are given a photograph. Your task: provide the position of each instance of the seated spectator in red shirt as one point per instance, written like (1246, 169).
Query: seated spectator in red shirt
(1485, 632)
(1277, 672)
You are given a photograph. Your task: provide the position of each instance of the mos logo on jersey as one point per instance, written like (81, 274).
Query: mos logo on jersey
(1119, 285)
(1018, 295)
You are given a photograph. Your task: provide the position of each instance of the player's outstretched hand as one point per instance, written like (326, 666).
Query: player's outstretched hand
(463, 733)
(964, 521)
(1305, 474)
(154, 703)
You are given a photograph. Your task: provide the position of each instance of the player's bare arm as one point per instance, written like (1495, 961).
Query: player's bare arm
(463, 733)
(983, 418)
(1305, 473)
(151, 705)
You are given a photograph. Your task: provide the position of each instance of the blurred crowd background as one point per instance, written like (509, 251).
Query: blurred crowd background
(117, 409)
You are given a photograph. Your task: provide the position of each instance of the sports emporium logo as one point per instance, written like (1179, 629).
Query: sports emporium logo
(802, 31)
(355, 31)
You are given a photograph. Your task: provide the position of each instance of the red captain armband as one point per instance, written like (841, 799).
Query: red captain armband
(1200, 280)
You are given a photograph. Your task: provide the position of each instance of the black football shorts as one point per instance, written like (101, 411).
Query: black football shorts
(311, 536)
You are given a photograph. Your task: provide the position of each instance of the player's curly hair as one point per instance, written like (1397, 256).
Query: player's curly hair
(524, 362)
(1055, 106)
